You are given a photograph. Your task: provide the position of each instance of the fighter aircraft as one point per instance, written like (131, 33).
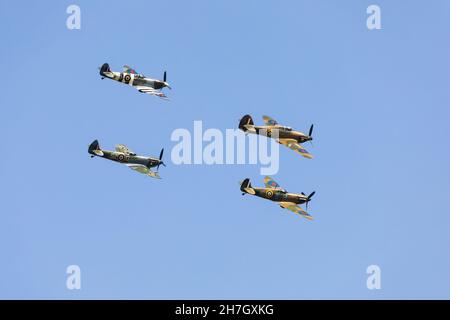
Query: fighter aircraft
(286, 136)
(129, 158)
(139, 81)
(274, 192)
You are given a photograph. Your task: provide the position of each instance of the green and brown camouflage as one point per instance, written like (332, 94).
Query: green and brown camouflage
(124, 155)
(274, 192)
(282, 134)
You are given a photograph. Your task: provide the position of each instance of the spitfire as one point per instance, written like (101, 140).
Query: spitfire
(139, 81)
(274, 192)
(284, 135)
(124, 155)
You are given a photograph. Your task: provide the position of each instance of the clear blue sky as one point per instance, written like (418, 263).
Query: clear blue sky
(379, 101)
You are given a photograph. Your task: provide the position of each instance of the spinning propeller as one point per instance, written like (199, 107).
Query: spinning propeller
(160, 159)
(308, 199)
(165, 80)
(310, 133)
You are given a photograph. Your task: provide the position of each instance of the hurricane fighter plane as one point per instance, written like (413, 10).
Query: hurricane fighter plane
(286, 136)
(139, 81)
(129, 158)
(274, 192)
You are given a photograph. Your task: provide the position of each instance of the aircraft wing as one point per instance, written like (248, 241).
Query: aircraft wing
(269, 121)
(124, 149)
(143, 169)
(296, 209)
(128, 69)
(270, 183)
(152, 91)
(297, 147)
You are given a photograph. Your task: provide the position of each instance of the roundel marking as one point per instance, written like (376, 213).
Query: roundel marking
(127, 78)
(269, 193)
(121, 157)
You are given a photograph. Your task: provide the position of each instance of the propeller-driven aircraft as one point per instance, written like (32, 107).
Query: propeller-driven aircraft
(124, 155)
(274, 192)
(139, 81)
(284, 135)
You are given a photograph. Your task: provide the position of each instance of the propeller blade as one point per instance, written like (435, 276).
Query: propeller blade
(309, 199)
(161, 163)
(160, 160)
(311, 130)
(165, 76)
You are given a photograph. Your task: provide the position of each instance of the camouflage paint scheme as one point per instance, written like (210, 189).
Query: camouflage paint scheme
(139, 81)
(283, 135)
(126, 156)
(275, 193)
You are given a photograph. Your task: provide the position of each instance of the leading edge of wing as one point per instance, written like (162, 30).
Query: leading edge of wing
(143, 169)
(152, 91)
(296, 209)
(297, 147)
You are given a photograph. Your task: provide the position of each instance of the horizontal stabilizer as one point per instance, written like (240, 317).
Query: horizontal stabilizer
(249, 128)
(250, 190)
(98, 153)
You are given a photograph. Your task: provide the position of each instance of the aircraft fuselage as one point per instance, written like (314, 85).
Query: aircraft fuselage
(283, 133)
(127, 158)
(134, 79)
(279, 195)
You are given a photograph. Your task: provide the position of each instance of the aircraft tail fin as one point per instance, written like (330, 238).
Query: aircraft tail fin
(94, 148)
(104, 68)
(246, 187)
(245, 121)
(246, 124)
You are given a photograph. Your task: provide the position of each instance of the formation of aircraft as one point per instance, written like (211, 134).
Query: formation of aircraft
(127, 157)
(285, 135)
(139, 81)
(274, 192)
